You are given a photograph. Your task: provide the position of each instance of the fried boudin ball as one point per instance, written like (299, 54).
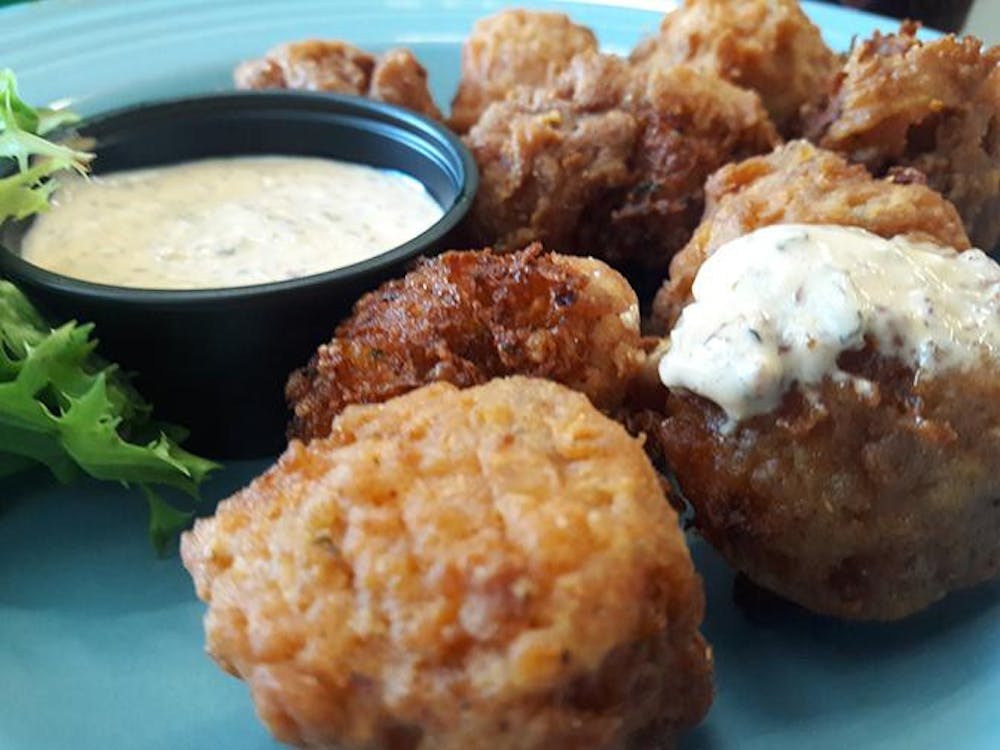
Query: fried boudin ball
(395, 77)
(934, 106)
(510, 49)
(799, 183)
(466, 317)
(398, 78)
(769, 46)
(862, 504)
(546, 162)
(829, 404)
(609, 161)
(485, 569)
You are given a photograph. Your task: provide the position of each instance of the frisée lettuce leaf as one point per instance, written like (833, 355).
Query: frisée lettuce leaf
(22, 131)
(61, 405)
(64, 408)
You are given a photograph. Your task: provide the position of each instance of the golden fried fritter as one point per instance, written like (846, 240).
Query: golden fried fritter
(488, 569)
(545, 163)
(609, 161)
(466, 317)
(801, 184)
(859, 505)
(312, 64)
(769, 46)
(395, 77)
(934, 106)
(399, 78)
(692, 124)
(510, 49)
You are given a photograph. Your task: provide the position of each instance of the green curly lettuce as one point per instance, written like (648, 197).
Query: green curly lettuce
(22, 131)
(61, 406)
(64, 408)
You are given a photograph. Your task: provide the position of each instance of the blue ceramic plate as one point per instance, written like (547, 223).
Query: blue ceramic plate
(101, 643)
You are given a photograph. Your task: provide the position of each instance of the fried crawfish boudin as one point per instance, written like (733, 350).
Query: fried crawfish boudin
(799, 183)
(610, 161)
(510, 49)
(769, 46)
(485, 569)
(833, 416)
(466, 317)
(934, 106)
(394, 77)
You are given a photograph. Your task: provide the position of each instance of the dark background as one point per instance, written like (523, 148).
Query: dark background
(946, 15)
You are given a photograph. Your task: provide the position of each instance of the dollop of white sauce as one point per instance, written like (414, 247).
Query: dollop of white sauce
(778, 306)
(226, 222)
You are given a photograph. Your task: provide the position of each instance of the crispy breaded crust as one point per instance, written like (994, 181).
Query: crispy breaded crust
(395, 77)
(799, 183)
(769, 46)
(399, 78)
(863, 506)
(487, 569)
(513, 48)
(312, 64)
(609, 161)
(692, 124)
(466, 317)
(933, 106)
(544, 163)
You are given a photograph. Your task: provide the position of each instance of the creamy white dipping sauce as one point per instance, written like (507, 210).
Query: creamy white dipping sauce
(226, 222)
(778, 306)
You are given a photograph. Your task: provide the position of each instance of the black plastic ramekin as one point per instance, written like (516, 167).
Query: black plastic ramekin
(216, 360)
